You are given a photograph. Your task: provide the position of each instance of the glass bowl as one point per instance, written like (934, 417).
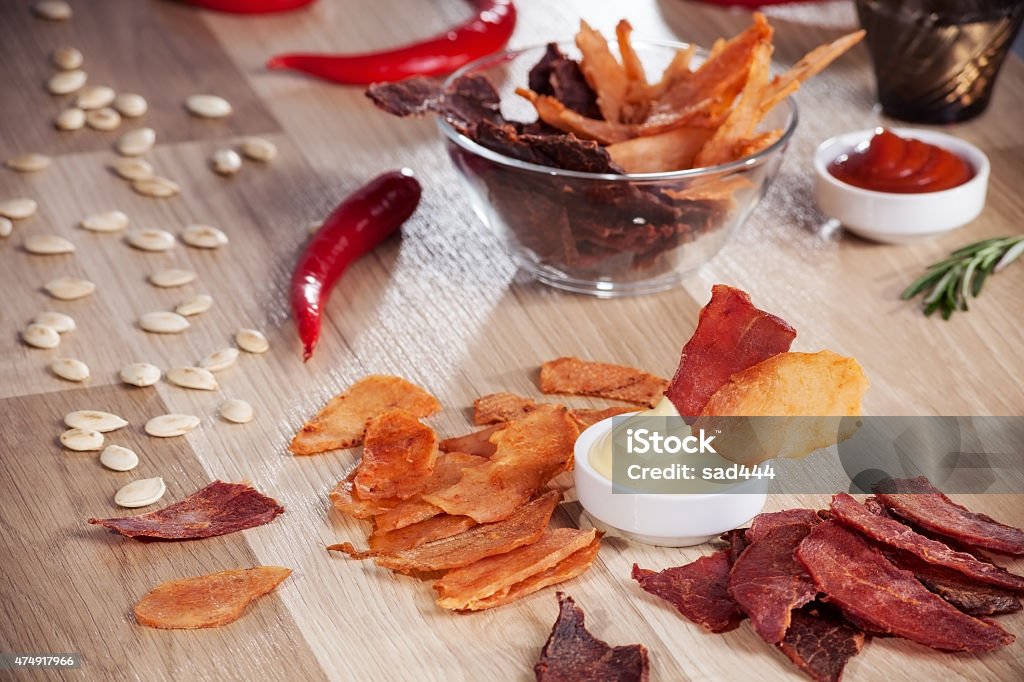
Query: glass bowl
(603, 234)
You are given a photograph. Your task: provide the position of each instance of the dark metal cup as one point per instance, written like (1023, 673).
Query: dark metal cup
(936, 61)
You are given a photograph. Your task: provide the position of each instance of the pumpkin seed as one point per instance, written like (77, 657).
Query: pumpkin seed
(28, 163)
(81, 440)
(192, 377)
(130, 105)
(251, 341)
(226, 162)
(70, 119)
(132, 169)
(48, 245)
(150, 239)
(66, 58)
(70, 369)
(219, 359)
(69, 288)
(163, 322)
(203, 237)
(156, 186)
(172, 277)
(140, 374)
(140, 493)
(6, 226)
(171, 425)
(136, 142)
(194, 305)
(95, 97)
(18, 209)
(53, 10)
(237, 411)
(108, 221)
(208, 106)
(103, 119)
(59, 322)
(40, 336)
(66, 82)
(94, 420)
(258, 149)
(118, 458)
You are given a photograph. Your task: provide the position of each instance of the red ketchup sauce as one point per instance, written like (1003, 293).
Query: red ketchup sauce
(890, 163)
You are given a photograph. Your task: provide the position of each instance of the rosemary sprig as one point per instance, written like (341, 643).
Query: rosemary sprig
(948, 284)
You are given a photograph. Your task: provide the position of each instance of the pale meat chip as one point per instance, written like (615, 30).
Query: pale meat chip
(574, 376)
(342, 421)
(663, 152)
(568, 568)
(603, 73)
(344, 499)
(476, 443)
(495, 408)
(635, 103)
(466, 588)
(784, 85)
(530, 452)
(588, 417)
(414, 535)
(448, 470)
(206, 601)
(398, 457)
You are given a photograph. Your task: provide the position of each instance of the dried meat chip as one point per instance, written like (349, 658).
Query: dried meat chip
(572, 654)
(341, 423)
(414, 96)
(500, 407)
(860, 580)
(603, 380)
(568, 568)
(206, 601)
(588, 417)
(962, 592)
(766, 522)
(557, 75)
(448, 470)
(344, 499)
(476, 443)
(698, 590)
(921, 503)
(821, 642)
(398, 457)
(468, 101)
(523, 527)
(731, 335)
(530, 452)
(218, 509)
(465, 588)
(416, 534)
(737, 541)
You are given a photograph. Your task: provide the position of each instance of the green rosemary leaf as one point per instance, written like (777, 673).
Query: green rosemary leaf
(1011, 254)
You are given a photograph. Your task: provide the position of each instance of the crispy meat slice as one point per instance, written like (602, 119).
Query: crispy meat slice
(586, 417)
(604, 380)
(416, 534)
(344, 499)
(398, 457)
(495, 408)
(698, 590)
(447, 472)
(603, 72)
(568, 568)
(821, 642)
(476, 443)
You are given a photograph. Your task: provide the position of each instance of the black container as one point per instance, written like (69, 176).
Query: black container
(936, 61)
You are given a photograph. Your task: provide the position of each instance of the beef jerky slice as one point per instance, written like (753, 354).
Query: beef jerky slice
(218, 509)
(572, 653)
(698, 590)
(560, 77)
(962, 592)
(860, 580)
(820, 642)
(917, 500)
(738, 542)
(769, 521)
(470, 100)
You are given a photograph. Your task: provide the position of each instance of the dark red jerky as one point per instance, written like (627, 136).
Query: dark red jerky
(560, 77)
(218, 509)
(873, 505)
(820, 642)
(918, 501)
(956, 588)
(895, 534)
(698, 590)
(470, 100)
(767, 582)
(768, 521)
(731, 336)
(737, 543)
(572, 653)
(861, 581)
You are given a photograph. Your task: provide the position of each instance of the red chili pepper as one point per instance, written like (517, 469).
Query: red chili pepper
(250, 6)
(353, 229)
(485, 33)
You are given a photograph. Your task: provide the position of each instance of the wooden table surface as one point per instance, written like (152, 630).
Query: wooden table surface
(443, 306)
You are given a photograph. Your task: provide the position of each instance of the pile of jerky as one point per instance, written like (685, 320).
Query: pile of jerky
(579, 226)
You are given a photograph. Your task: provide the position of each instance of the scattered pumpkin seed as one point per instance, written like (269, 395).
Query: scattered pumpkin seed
(95, 97)
(69, 288)
(203, 237)
(252, 341)
(132, 169)
(18, 209)
(140, 374)
(103, 119)
(28, 163)
(119, 458)
(150, 239)
(48, 245)
(136, 142)
(66, 58)
(81, 440)
(72, 118)
(130, 105)
(156, 186)
(172, 277)
(258, 149)
(70, 369)
(163, 322)
(140, 493)
(194, 305)
(208, 106)
(226, 162)
(40, 336)
(171, 425)
(95, 420)
(237, 411)
(219, 360)
(59, 322)
(108, 221)
(6, 226)
(53, 10)
(192, 377)
(66, 82)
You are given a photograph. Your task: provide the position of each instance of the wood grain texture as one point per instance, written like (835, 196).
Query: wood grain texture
(443, 306)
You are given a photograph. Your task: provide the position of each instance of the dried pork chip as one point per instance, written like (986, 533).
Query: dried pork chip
(574, 376)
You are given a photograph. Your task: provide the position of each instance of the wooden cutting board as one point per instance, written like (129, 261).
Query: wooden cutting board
(443, 306)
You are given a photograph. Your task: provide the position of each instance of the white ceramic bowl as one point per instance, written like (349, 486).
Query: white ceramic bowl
(890, 217)
(661, 519)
